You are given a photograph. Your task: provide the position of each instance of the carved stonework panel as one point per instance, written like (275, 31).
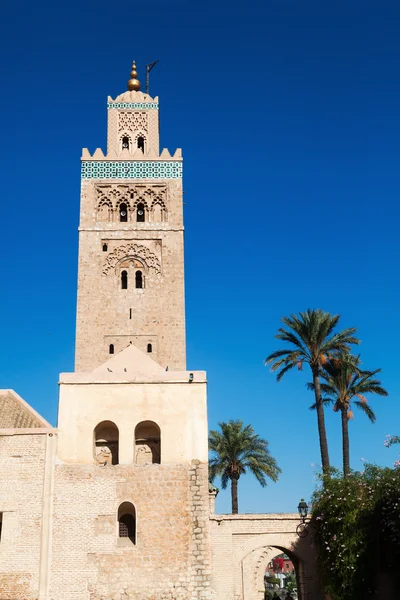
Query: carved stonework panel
(154, 200)
(132, 121)
(143, 253)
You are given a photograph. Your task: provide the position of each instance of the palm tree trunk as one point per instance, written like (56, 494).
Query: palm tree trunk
(234, 495)
(345, 443)
(323, 442)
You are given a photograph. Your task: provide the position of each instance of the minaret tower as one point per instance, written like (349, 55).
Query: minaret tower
(131, 269)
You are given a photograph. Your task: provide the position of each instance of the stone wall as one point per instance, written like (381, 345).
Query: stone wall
(170, 559)
(22, 477)
(107, 314)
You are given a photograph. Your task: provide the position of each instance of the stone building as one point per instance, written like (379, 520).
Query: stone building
(114, 503)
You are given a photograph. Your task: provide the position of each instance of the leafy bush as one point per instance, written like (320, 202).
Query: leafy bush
(358, 530)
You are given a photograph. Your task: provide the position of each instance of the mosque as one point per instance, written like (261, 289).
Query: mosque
(114, 503)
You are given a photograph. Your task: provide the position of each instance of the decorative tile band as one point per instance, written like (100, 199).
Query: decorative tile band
(141, 105)
(138, 169)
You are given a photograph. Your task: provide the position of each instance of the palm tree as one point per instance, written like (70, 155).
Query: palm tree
(313, 342)
(343, 382)
(237, 449)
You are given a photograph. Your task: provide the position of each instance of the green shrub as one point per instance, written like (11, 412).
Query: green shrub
(358, 530)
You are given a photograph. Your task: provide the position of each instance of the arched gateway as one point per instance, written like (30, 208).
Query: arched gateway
(243, 545)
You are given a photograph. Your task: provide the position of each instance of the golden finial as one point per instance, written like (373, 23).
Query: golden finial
(134, 83)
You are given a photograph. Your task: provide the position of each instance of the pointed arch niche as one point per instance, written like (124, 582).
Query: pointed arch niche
(147, 443)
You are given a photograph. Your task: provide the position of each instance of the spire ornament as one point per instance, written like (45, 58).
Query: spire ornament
(134, 83)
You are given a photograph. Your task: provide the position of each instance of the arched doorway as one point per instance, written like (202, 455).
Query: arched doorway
(243, 546)
(271, 569)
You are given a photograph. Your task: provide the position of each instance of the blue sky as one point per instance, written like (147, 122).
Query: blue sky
(288, 116)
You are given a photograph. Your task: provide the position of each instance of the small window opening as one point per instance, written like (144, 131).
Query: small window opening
(124, 280)
(138, 279)
(131, 195)
(126, 524)
(130, 313)
(105, 247)
(106, 441)
(147, 443)
(111, 349)
(140, 143)
(123, 213)
(149, 348)
(125, 143)
(140, 213)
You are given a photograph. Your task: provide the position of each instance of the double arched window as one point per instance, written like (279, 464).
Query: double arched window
(147, 443)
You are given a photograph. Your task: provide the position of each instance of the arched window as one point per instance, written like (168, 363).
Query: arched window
(105, 247)
(140, 216)
(126, 524)
(125, 143)
(140, 143)
(139, 279)
(147, 443)
(106, 439)
(124, 280)
(111, 349)
(123, 213)
(149, 348)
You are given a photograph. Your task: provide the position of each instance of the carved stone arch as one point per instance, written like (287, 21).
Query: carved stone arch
(149, 195)
(123, 200)
(262, 562)
(104, 211)
(104, 201)
(140, 200)
(114, 194)
(138, 251)
(158, 208)
(139, 134)
(136, 261)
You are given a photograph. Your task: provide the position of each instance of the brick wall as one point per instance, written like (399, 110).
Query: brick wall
(22, 467)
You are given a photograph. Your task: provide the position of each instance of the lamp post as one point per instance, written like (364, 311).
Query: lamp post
(302, 528)
(303, 509)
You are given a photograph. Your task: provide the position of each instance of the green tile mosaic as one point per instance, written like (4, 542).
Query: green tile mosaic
(140, 169)
(134, 105)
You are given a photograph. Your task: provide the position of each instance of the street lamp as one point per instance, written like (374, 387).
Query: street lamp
(303, 510)
(302, 528)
